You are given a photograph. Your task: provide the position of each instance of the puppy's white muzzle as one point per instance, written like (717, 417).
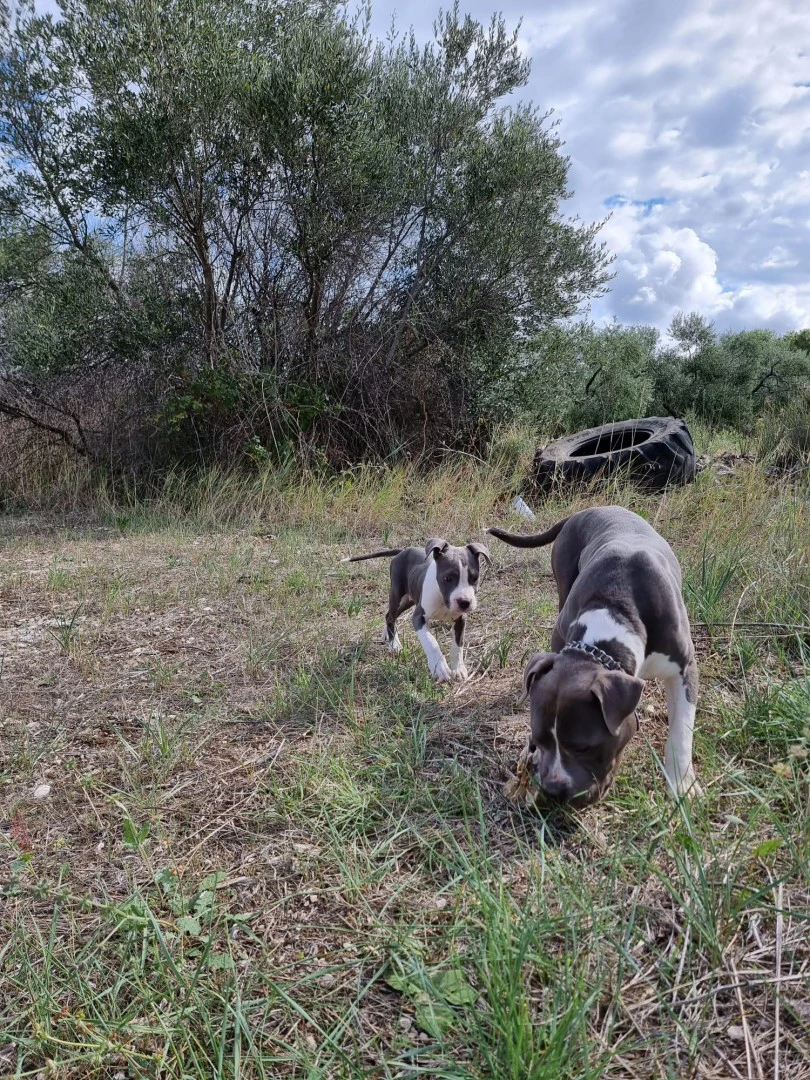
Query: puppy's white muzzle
(462, 601)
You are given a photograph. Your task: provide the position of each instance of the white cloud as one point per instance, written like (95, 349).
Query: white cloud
(660, 269)
(780, 308)
(703, 109)
(778, 258)
(703, 104)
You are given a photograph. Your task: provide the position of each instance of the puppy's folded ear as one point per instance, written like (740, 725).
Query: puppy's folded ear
(481, 551)
(435, 546)
(619, 694)
(539, 664)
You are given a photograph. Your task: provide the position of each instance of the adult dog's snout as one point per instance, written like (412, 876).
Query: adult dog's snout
(557, 790)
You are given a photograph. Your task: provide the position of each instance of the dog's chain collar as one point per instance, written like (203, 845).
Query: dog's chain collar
(601, 657)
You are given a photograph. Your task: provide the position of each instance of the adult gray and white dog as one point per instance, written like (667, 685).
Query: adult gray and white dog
(622, 620)
(439, 581)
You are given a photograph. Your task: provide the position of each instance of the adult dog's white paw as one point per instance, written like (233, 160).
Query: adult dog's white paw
(459, 673)
(395, 646)
(686, 786)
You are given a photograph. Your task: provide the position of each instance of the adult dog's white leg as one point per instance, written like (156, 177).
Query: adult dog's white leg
(681, 691)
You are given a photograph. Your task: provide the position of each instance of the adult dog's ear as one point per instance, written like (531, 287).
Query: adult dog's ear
(619, 694)
(436, 546)
(539, 664)
(480, 551)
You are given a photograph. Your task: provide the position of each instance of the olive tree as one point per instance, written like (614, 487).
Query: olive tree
(357, 231)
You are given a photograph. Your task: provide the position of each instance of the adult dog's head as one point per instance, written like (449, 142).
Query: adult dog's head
(582, 717)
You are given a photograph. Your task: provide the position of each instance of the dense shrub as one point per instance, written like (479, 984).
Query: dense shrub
(581, 375)
(783, 433)
(729, 378)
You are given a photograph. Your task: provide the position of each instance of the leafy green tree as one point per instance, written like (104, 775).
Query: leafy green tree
(47, 157)
(728, 378)
(692, 333)
(799, 340)
(583, 375)
(360, 225)
(618, 363)
(176, 131)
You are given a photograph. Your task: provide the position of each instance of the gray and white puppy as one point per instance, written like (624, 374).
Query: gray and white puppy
(440, 582)
(622, 620)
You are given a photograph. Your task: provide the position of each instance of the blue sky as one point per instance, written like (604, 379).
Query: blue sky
(688, 122)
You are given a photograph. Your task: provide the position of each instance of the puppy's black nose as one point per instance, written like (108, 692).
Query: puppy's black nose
(463, 605)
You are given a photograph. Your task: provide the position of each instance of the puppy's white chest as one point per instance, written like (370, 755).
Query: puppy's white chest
(432, 600)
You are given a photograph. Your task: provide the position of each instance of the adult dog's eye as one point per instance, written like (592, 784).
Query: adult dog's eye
(578, 748)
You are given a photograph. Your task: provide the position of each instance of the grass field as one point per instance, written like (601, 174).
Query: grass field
(240, 840)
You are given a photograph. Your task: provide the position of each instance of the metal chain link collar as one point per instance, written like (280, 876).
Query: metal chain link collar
(599, 655)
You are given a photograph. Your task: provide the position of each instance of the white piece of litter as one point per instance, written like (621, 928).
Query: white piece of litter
(522, 510)
(41, 791)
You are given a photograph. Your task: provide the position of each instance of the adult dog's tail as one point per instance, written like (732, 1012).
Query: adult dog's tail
(388, 553)
(536, 540)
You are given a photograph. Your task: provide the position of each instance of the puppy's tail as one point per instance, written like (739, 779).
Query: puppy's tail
(387, 553)
(537, 540)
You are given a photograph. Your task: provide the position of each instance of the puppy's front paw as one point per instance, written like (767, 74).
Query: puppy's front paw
(459, 673)
(440, 671)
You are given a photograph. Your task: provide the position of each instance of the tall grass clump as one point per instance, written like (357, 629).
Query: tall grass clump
(783, 435)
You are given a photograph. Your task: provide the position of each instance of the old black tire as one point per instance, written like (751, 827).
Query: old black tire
(656, 451)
